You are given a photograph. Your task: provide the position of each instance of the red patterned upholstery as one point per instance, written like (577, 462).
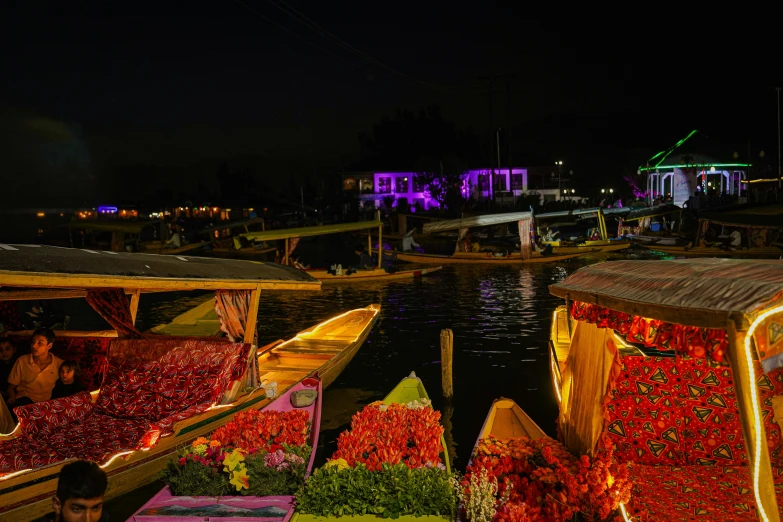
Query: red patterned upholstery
(45, 417)
(688, 493)
(150, 385)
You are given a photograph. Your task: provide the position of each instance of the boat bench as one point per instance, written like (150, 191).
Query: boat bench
(676, 420)
(149, 385)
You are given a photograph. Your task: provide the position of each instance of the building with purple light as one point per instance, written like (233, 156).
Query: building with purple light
(501, 185)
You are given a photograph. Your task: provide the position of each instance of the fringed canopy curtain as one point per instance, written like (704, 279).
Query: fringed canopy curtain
(461, 246)
(232, 307)
(114, 306)
(593, 365)
(525, 243)
(10, 318)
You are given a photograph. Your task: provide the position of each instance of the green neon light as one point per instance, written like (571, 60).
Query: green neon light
(706, 165)
(671, 149)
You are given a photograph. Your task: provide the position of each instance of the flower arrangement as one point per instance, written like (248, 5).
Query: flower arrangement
(387, 465)
(521, 479)
(265, 458)
(392, 434)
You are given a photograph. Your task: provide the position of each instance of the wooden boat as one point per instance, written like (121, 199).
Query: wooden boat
(461, 256)
(140, 236)
(614, 368)
(604, 244)
(505, 420)
(408, 390)
(165, 506)
(375, 274)
(472, 258)
(33, 272)
(226, 241)
(761, 230)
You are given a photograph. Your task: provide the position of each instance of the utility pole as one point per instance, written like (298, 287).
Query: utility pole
(508, 123)
(497, 141)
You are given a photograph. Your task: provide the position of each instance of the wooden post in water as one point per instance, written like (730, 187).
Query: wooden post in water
(446, 357)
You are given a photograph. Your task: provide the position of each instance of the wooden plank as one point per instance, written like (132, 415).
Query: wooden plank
(309, 351)
(71, 333)
(252, 316)
(145, 283)
(134, 304)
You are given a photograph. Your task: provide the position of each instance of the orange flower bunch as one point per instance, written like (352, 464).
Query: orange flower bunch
(265, 430)
(538, 479)
(393, 434)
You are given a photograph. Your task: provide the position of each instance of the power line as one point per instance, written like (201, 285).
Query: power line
(287, 30)
(304, 20)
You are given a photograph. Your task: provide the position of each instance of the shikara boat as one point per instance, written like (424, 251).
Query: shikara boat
(165, 506)
(760, 229)
(374, 274)
(293, 235)
(113, 424)
(408, 390)
(575, 217)
(677, 366)
(226, 240)
(147, 237)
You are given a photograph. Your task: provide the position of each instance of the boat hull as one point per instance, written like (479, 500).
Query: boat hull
(376, 274)
(470, 258)
(602, 246)
(28, 495)
(409, 389)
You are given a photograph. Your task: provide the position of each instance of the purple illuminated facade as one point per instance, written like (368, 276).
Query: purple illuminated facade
(479, 184)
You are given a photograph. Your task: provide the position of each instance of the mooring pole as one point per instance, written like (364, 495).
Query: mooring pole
(446, 358)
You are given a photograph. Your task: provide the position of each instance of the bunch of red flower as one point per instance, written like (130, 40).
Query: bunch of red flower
(542, 481)
(265, 430)
(392, 434)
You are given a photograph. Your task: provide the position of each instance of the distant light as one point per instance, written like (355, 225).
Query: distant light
(603, 191)
(611, 191)
(215, 209)
(565, 191)
(712, 169)
(709, 183)
(573, 191)
(107, 210)
(40, 214)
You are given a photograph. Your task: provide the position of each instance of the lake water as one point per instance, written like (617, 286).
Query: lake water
(500, 317)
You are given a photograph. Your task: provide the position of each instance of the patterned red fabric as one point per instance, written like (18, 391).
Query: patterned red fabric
(10, 318)
(114, 306)
(155, 379)
(686, 340)
(666, 410)
(46, 416)
(150, 385)
(688, 493)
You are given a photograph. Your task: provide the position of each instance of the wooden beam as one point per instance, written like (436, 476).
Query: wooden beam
(71, 333)
(747, 391)
(252, 315)
(380, 239)
(134, 304)
(38, 279)
(285, 262)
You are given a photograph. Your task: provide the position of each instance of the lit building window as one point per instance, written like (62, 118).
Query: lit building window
(401, 186)
(384, 185)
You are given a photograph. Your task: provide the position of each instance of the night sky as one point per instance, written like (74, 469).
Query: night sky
(89, 87)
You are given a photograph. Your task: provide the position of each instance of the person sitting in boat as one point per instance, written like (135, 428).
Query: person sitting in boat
(551, 236)
(365, 260)
(407, 241)
(297, 263)
(594, 235)
(80, 490)
(176, 240)
(33, 376)
(70, 381)
(7, 360)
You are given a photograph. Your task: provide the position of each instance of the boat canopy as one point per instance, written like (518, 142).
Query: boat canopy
(651, 212)
(696, 292)
(744, 219)
(72, 268)
(230, 225)
(584, 212)
(486, 220)
(128, 227)
(287, 233)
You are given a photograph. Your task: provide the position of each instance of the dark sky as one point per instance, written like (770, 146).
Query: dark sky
(180, 82)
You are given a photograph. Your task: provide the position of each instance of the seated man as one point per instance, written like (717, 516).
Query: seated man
(365, 260)
(79, 498)
(33, 376)
(407, 241)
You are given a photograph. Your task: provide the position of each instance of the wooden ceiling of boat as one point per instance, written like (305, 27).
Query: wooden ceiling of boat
(695, 292)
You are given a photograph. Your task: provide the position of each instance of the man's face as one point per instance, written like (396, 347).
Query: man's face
(40, 346)
(78, 509)
(6, 351)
